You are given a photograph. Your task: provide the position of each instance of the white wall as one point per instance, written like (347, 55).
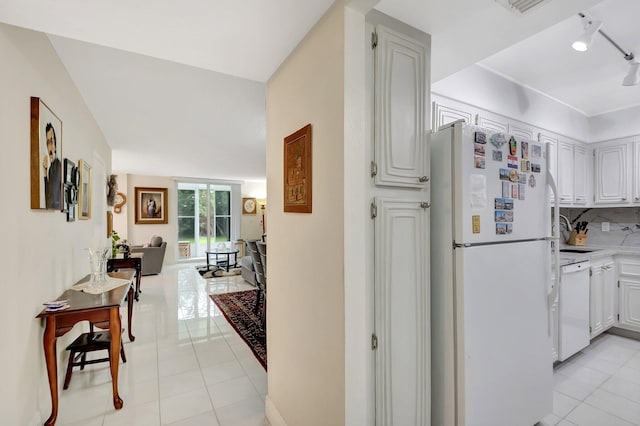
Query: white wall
(358, 244)
(616, 124)
(305, 301)
(480, 87)
(42, 254)
(141, 234)
(251, 224)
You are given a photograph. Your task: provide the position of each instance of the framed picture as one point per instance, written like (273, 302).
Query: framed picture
(297, 171)
(84, 190)
(249, 206)
(70, 193)
(46, 157)
(109, 224)
(151, 206)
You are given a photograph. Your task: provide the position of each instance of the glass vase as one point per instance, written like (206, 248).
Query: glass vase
(98, 263)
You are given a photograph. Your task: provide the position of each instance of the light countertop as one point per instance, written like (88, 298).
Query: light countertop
(593, 253)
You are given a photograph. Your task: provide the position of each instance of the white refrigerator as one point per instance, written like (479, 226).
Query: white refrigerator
(490, 223)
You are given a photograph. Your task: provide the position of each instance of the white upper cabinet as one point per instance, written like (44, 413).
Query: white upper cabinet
(636, 172)
(521, 132)
(401, 110)
(444, 114)
(611, 174)
(580, 175)
(552, 152)
(493, 124)
(566, 172)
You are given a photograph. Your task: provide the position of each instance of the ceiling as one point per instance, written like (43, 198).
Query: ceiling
(178, 88)
(590, 81)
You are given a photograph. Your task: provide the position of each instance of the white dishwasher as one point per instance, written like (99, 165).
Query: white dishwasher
(573, 309)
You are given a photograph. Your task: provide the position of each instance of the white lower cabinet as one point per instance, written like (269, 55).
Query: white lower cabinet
(602, 296)
(629, 283)
(555, 337)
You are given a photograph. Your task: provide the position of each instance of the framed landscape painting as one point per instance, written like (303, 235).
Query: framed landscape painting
(46, 157)
(151, 206)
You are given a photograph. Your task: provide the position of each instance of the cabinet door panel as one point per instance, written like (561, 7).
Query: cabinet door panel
(565, 172)
(581, 176)
(552, 153)
(402, 320)
(611, 174)
(636, 172)
(401, 108)
(443, 114)
(610, 293)
(492, 124)
(596, 295)
(520, 132)
(630, 303)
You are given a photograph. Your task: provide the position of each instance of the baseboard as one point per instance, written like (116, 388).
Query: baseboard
(624, 333)
(272, 413)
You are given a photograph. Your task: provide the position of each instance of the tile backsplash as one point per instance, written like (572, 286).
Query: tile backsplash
(624, 225)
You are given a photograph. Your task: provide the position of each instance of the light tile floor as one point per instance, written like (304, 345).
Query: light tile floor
(187, 365)
(599, 386)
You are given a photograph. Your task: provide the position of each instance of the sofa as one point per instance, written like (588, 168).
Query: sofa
(247, 271)
(153, 255)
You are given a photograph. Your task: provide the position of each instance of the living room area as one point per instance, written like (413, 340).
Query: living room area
(48, 66)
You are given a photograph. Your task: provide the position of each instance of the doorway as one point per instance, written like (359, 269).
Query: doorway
(205, 218)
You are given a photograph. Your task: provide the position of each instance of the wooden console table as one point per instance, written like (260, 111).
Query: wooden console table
(134, 261)
(96, 308)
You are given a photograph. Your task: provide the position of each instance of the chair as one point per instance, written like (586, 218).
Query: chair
(262, 250)
(261, 280)
(153, 255)
(89, 342)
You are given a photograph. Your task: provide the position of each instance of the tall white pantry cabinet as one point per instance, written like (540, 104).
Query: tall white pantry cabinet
(399, 188)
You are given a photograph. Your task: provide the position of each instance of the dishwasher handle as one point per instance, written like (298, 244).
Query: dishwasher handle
(575, 267)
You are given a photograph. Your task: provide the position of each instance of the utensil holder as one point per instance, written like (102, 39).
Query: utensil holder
(577, 238)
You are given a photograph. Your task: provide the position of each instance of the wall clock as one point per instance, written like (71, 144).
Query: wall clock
(248, 206)
(120, 201)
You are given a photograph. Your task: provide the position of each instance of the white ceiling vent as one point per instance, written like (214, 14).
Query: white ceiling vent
(520, 6)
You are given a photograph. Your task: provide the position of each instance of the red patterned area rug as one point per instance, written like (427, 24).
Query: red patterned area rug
(237, 308)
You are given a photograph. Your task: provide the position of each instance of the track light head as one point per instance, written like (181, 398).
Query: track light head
(633, 76)
(590, 29)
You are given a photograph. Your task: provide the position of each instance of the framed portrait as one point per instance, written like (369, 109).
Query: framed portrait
(151, 206)
(297, 171)
(84, 190)
(249, 206)
(46, 157)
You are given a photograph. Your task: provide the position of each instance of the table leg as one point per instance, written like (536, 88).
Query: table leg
(114, 356)
(49, 343)
(138, 278)
(207, 261)
(130, 313)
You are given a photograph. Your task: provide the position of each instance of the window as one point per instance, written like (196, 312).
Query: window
(206, 216)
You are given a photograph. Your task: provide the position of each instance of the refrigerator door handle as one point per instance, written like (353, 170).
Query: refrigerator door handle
(552, 294)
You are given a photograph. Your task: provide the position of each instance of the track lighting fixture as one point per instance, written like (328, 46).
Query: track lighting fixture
(633, 76)
(584, 41)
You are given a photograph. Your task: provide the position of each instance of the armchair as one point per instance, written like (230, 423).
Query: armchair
(153, 255)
